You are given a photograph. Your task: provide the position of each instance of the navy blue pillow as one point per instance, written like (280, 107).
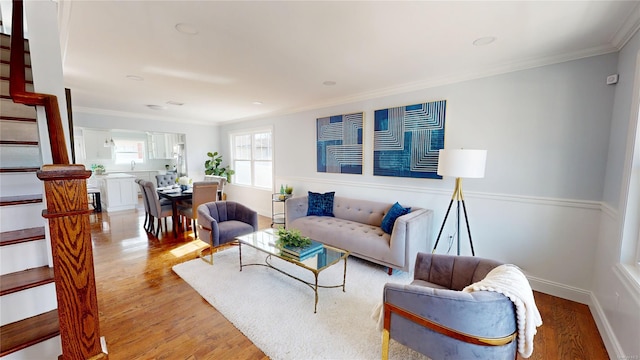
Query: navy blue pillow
(320, 204)
(390, 218)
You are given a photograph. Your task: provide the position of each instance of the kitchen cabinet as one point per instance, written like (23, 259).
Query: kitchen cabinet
(94, 141)
(148, 175)
(161, 146)
(118, 192)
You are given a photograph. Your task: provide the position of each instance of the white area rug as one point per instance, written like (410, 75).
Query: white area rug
(276, 312)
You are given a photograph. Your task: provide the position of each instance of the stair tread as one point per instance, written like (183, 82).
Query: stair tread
(6, 78)
(8, 63)
(26, 279)
(19, 142)
(24, 333)
(13, 118)
(19, 170)
(21, 199)
(22, 235)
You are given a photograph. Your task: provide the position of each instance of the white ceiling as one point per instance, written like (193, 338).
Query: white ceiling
(280, 53)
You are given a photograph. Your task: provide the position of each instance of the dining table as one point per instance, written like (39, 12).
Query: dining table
(175, 195)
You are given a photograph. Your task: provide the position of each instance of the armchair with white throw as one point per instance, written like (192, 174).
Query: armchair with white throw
(461, 307)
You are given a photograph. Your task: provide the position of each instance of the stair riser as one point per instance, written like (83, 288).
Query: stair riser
(11, 109)
(20, 156)
(4, 87)
(4, 71)
(16, 217)
(6, 54)
(23, 256)
(5, 41)
(20, 184)
(27, 303)
(49, 349)
(18, 131)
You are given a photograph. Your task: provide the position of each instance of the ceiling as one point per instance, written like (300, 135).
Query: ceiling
(246, 59)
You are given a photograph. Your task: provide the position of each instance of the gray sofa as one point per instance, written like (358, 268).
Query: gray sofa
(356, 227)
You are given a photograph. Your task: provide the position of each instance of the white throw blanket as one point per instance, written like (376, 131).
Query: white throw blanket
(510, 281)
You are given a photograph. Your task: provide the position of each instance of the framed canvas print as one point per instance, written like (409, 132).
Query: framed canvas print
(407, 140)
(339, 143)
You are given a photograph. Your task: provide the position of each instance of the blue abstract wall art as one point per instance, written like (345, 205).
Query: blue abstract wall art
(339, 143)
(407, 140)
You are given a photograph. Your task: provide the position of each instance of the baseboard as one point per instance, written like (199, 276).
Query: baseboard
(560, 290)
(606, 332)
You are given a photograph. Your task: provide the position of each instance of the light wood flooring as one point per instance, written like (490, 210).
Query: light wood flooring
(148, 312)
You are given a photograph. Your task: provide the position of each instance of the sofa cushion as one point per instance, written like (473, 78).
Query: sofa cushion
(390, 218)
(320, 204)
(360, 239)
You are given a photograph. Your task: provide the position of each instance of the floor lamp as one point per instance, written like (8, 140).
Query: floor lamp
(460, 163)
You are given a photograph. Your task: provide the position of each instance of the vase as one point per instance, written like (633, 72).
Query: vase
(184, 187)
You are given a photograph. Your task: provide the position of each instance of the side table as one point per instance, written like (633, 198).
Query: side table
(278, 210)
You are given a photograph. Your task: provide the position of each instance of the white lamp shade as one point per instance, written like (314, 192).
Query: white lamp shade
(462, 163)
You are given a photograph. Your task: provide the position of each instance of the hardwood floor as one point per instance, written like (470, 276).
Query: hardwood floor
(148, 312)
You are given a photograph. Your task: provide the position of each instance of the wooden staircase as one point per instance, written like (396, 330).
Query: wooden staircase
(35, 307)
(29, 315)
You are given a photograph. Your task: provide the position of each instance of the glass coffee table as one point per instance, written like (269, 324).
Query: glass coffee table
(264, 241)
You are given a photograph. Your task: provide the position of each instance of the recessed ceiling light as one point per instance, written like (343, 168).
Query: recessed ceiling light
(257, 103)
(176, 103)
(157, 107)
(484, 40)
(328, 83)
(186, 29)
(134, 77)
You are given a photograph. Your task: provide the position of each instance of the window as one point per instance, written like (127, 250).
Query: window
(127, 150)
(252, 154)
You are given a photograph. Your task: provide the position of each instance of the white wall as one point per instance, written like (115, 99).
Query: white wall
(200, 139)
(46, 63)
(546, 131)
(616, 292)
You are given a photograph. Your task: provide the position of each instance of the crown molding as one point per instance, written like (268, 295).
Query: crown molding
(627, 29)
(125, 114)
(441, 81)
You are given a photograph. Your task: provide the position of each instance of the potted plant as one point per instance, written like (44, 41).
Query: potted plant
(213, 166)
(291, 238)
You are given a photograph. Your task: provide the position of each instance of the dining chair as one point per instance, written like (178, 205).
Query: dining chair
(221, 180)
(166, 179)
(203, 192)
(145, 202)
(156, 210)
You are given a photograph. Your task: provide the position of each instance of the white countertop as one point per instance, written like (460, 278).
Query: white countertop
(132, 171)
(116, 176)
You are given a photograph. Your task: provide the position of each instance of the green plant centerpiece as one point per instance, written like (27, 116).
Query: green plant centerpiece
(213, 166)
(291, 238)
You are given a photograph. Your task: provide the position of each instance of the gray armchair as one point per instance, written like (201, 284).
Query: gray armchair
(220, 222)
(434, 317)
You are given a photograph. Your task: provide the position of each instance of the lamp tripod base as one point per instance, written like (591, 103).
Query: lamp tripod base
(459, 198)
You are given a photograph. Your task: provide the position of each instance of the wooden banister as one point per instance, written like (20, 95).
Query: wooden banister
(17, 89)
(68, 214)
(68, 217)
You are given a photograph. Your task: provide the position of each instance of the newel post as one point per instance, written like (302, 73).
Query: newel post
(68, 214)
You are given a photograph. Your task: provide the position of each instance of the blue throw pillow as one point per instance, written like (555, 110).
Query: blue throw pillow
(320, 204)
(390, 218)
